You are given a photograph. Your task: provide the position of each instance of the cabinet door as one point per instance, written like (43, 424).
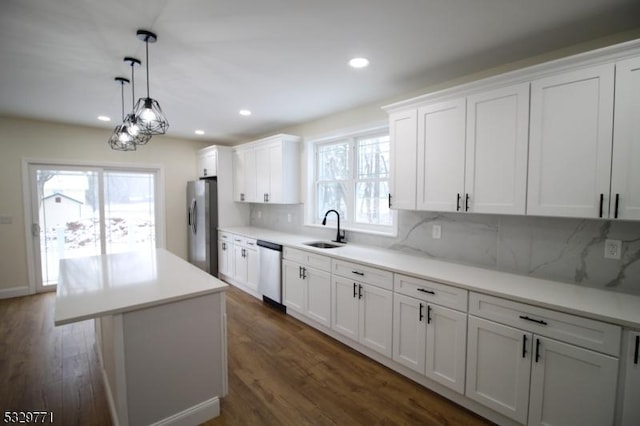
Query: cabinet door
(441, 144)
(275, 189)
(498, 367)
(239, 264)
(262, 172)
(318, 295)
(409, 331)
(224, 258)
(253, 268)
(496, 150)
(403, 132)
(571, 386)
(570, 143)
(630, 407)
(625, 173)
(375, 318)
(239, 170)
(294, 292)
(208, 164)
(344, 307)
(446, 346)
(250, 177)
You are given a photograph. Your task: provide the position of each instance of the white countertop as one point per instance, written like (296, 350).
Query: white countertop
(90, 287)
(614, 307)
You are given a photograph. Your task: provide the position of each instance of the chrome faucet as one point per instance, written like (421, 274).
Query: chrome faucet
(340, 238)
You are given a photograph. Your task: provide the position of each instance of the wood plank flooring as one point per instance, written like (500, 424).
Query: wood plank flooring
(281, 372)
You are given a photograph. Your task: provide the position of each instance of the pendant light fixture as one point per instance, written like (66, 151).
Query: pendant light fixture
(131, 121)
(147, 110)
(121, 140)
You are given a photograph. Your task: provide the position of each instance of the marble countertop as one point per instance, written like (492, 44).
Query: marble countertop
(94, 286)
(613, 307)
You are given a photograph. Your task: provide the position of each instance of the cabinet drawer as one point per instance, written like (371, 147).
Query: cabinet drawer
(584, 332)
(367, 274)
(250, 243)
(429, 291)
(225, 236)
(309, 259)
(238, 240)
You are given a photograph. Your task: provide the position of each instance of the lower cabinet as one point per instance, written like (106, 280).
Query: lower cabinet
(537, 380)
(238, 261)
(363, 312)
(305, 289)
(631, 401)
(430, 339)
(225, 258)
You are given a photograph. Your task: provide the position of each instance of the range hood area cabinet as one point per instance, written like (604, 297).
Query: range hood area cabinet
(267, 171)
(480, 147)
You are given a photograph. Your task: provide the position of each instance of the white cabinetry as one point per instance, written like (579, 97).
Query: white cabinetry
(362, 310)
(441, 139)
(238, 261)
(429, 338)
(306, 284)
(631, 375)
(225, 254)
(207, 162)
(267, 171)
(403, 132)
(570, 143)
(625, 173)
(521, 370)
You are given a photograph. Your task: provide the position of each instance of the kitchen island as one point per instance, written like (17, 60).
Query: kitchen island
(160, 333)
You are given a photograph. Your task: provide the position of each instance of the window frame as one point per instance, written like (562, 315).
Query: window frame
(347, 223)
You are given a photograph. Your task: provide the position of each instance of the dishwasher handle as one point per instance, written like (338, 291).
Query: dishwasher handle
(269, 245)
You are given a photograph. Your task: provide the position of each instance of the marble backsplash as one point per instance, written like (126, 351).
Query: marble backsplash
(561, 249)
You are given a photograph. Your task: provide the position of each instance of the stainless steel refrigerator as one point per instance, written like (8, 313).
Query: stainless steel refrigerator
(202, 220)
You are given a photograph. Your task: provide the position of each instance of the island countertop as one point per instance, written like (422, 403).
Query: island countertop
(90, 287)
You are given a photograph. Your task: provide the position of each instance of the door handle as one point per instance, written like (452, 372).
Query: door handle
(524, 346)
(355, 292)
(389, 200)
(537, 321)
(359, 291)
(304, 273)
(637, 354)
(466, 202)
(426, 291)
(537, 349)
(299, 271)
(194, 224)
(615, 215)
(601, 204)
(458, 203)
(420, 314)
(428, 314)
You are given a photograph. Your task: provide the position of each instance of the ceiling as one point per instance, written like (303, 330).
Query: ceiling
(285, 60)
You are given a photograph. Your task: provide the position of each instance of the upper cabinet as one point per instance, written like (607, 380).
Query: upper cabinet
(570, 143)
(555, 139)
(625, 173)
(207, 162)
(268, 171)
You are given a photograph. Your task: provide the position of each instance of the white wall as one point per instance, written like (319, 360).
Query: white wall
(20, 138)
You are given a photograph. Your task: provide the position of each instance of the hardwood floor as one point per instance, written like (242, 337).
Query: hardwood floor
(281, 372)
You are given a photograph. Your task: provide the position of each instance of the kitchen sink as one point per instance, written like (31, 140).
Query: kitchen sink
(322, 244)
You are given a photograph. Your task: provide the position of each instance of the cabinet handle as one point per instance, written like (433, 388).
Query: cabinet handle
(304, 273)
(224, 246)
(601, 204)
(358, 273)
(205, 172)
(615, 215)
(424, 290)
(355, 292)
(299, 271)
(524, 346)
(636, 355)
(428, 314)
(537, 349)
(241, 196)
(458, 203)
(466, 202)
(359, 291)
(537, 321)
(389, 200)
(244, 253)
(420, 314)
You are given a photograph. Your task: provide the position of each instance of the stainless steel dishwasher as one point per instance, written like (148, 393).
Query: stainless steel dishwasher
(270, 281)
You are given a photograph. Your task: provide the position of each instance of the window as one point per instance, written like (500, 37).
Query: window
(351, 175)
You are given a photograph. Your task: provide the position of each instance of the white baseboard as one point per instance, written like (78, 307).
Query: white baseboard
(7, 293)
(195, 415)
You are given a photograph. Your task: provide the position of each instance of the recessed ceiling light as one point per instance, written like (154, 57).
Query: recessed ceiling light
(199, 132)
(359, 62)
(245, 112)
(103, 118)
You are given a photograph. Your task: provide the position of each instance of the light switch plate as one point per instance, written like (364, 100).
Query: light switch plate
(613, 249)
(436, 232)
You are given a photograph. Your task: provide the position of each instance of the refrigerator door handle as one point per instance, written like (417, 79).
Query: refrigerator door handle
(194, 216)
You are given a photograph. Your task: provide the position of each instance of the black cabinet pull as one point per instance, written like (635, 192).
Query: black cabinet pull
(421, 315)
(615, 214)
(299, 271)
(355, 292)
(635, 357)
(537, 349)
(424, 290)
(358, 273)
(458, 203)
(241, 196)
(601, 204)
(428, 314)
(466, 202)
(304, 273)
(537, 321)
(524, 346)
(266, 197)
(359, 291)
(389, 200)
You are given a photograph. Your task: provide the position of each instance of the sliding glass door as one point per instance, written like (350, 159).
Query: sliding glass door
(86, 211)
